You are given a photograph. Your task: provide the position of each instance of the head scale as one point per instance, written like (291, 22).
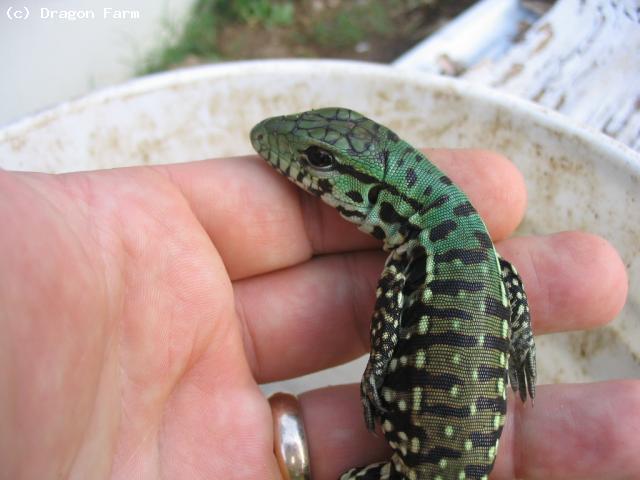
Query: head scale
(334, 153)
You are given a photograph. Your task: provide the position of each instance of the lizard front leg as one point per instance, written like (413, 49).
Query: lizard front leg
(385, 331)
(522, 350)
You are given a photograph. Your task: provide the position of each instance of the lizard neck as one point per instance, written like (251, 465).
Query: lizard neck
(413, 196)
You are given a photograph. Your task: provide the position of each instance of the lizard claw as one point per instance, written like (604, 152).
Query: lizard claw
(369, 394)
(522, 376)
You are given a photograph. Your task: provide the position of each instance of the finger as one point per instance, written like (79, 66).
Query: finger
(260, 222)
(574, 280)
(328, 301)
(308, 317)
(573, 432)
(337, 436)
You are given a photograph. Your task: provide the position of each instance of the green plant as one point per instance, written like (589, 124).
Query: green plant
(199, 36)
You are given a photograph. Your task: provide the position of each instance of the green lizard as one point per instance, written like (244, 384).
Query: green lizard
(451, 322)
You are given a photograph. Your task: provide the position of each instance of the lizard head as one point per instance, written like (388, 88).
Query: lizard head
(334, 153)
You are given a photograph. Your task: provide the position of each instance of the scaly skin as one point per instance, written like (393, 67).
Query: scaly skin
(451, 318)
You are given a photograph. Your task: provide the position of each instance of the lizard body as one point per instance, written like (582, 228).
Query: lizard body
(451, 322)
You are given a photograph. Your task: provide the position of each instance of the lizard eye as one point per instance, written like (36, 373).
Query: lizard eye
(317, 158)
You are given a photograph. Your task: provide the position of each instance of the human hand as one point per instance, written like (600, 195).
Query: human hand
(142, 307)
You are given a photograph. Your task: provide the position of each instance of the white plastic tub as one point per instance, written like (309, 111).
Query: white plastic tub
(577, 179)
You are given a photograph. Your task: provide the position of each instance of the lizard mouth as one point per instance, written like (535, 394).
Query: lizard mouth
(259, 139)
(264, 139)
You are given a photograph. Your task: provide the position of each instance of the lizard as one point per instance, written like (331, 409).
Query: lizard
(451, 324)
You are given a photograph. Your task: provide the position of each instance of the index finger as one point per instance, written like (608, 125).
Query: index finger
(260, 222)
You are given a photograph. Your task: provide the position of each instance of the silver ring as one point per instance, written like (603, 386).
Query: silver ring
(289, 438)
